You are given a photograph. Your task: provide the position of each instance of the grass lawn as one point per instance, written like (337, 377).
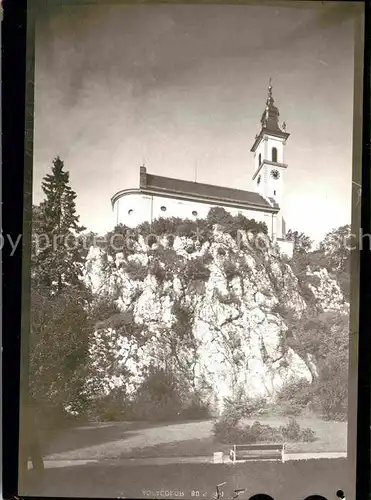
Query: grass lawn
(91, 434)
(181, 439)
(331, 437)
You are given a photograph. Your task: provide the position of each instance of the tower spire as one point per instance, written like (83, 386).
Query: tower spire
(269, 119)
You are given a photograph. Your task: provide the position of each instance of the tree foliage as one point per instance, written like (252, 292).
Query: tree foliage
(59, 351)
(58, 251)
(60, 322)
(302, 242)
(159, 397)
(322, 342)
(336, 247)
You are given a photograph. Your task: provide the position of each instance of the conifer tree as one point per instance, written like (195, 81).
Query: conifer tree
(60, 255)
(60, 323)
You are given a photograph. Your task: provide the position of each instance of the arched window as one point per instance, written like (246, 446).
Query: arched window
(274, 154)
(260, 159)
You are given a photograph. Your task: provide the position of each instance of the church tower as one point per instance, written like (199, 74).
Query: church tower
(268, 149)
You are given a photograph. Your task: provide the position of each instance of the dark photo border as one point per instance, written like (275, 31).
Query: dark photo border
(361, 398)
(17, 71)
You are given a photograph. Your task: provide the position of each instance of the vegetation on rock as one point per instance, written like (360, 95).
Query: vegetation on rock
(180, 308)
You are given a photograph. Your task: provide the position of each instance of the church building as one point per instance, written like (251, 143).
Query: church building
(159, 196)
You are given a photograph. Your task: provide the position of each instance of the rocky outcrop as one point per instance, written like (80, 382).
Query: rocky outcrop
(212, 311)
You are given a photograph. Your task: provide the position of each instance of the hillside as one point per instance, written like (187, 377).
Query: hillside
(208, 302)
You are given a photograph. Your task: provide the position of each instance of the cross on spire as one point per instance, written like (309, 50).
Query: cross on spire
(270, 99)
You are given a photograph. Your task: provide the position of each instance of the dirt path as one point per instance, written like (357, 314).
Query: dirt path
(134, 462)
(138, 439)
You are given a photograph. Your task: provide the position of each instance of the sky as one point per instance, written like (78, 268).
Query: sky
(183, 87)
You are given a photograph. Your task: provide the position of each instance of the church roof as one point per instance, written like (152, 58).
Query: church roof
(199, 192)
(203, 192)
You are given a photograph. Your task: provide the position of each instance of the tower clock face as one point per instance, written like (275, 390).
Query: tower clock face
(275, 174)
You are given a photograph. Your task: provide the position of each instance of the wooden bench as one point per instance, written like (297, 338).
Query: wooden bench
(258, 451)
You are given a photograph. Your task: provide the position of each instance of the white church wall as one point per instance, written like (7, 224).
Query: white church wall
(132, 209)
(178, 208)
(267, 185)
(286, 247)
(263, 175)
(260, 150)
(279, 223)
(273, 187)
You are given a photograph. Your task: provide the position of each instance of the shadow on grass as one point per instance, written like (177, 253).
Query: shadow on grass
(91, 434)
(74, 438)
